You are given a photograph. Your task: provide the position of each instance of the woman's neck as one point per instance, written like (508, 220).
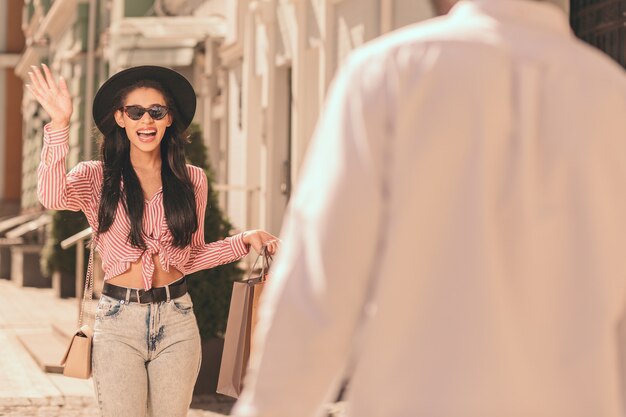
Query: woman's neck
(146, 161)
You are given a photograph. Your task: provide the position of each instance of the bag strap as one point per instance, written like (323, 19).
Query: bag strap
(88, 290)
(265, 264)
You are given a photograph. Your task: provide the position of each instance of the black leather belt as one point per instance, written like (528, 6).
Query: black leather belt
(153, 295)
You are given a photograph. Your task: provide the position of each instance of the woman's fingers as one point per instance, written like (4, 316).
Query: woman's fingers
(32, 90)
(41, 81)
(34, 82)
(38, 95)
(260, 240)
(272, 245)
(41, 93)
(50, 80)
(41, 96)
(63, 87)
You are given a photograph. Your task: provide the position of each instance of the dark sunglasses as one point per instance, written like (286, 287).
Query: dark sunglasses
(157, 112)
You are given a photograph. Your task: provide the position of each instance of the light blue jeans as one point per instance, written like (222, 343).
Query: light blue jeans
(145, 358)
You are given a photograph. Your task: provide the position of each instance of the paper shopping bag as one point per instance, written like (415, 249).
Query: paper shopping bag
(239, 330)
(238, 336)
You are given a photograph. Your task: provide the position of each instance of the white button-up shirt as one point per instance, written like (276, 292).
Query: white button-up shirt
(458, 239)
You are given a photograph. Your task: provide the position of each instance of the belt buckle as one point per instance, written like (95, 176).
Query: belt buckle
(144, 295)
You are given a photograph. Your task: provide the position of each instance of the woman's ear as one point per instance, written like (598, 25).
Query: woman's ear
(169, 120)
(119, 118)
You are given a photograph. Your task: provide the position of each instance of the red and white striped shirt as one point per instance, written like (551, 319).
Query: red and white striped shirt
(80, 189)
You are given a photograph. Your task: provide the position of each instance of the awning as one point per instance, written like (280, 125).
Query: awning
(168, 41)
(30, 226)
(12, 222)
(168, 29)
(170, 57)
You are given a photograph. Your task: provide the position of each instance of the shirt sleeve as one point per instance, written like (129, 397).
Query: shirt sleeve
(208, 255)
(58, 190)
(314, 302)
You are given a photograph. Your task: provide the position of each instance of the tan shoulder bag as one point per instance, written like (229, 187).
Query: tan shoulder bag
(77, 360)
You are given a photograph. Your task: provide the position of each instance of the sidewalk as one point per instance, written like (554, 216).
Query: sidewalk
(25, 389)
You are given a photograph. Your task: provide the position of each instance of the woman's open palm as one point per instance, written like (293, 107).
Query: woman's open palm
(54, 98)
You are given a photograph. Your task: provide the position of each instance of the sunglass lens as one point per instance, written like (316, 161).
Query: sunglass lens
(157, 112)
(135, 112)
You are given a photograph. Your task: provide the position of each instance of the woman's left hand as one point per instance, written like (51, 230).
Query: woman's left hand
(259, 238)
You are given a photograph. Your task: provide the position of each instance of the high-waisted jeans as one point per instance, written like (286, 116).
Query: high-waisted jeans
(146, 358)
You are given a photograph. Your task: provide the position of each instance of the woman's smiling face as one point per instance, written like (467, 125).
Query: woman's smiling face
(145, 134)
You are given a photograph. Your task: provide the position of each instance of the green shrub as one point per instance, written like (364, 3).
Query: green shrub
(53, 257)
(210, 289)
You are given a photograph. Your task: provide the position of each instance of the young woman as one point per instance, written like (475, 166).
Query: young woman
(147, 209)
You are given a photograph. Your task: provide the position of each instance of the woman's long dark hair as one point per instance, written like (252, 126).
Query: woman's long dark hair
(178, 192)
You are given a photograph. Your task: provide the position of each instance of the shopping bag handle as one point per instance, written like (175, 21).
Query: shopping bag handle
(265, 266)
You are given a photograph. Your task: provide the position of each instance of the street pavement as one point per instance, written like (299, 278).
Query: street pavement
(25, 389)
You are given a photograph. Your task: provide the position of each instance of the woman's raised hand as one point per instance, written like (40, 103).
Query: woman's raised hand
(54, 98)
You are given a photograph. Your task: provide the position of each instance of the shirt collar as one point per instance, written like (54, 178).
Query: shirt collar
(540, 15)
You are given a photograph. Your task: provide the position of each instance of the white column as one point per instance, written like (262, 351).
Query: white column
(305, 82)
(252, 88)
(235, 198)
(386, 16)
(113, 48)
(327, 46)
(89, 81)
(205, 75)
(232, 139)
(222, 123)
(276, 135)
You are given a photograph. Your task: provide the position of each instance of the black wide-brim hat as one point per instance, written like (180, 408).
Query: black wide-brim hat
(176, 85)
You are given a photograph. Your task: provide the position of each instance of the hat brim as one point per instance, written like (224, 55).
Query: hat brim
(177, 86)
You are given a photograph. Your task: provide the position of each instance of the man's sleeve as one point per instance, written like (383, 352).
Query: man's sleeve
(314, 299)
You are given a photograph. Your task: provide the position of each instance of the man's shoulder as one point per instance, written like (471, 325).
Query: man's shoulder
(598, 65)
(430, 30)
(404, 45)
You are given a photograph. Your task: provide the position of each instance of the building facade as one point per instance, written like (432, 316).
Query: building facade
(11, 45)
(55, 35)
(272, 71)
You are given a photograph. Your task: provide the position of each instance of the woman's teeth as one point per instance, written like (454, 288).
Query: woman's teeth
(146, 134)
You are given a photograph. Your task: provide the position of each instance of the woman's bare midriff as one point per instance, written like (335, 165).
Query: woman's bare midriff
(132, 277)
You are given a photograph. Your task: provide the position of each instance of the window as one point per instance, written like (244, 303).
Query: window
(601, 23)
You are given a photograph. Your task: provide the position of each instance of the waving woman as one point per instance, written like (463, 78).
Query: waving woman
(146, 206)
